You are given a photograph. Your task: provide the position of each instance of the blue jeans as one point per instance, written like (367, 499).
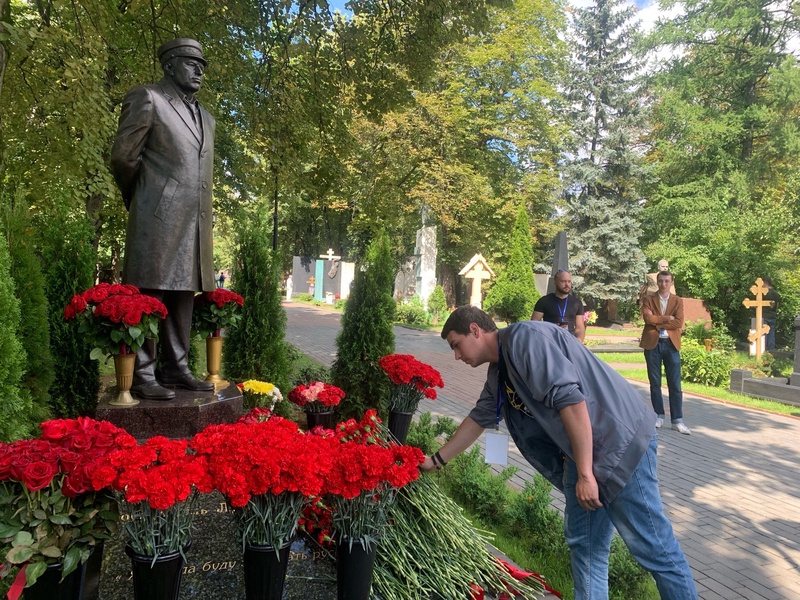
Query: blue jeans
(665, 352)
(639, 517)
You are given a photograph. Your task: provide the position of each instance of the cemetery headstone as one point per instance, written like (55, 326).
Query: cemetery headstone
(477, 270)
(760, 328)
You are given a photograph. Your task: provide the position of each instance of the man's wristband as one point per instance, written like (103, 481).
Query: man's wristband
(439, 458)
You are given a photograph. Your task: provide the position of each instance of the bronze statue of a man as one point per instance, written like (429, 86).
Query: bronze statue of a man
(162, 160)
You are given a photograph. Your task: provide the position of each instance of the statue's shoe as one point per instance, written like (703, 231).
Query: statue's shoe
(187, 382)
(151, 391)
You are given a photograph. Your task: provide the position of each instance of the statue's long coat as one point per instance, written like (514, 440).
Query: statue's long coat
(164, 168)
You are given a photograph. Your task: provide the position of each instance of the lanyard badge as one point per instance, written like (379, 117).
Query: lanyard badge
(497, 442)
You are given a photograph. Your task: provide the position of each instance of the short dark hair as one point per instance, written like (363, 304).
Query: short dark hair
(665, 274)
(462, 317)
(767, 280)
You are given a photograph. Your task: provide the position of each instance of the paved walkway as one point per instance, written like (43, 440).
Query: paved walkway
(732, 488)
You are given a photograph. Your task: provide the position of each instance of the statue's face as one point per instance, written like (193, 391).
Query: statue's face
(187, 73)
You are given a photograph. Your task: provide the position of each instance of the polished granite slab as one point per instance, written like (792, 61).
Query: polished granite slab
(182, 417)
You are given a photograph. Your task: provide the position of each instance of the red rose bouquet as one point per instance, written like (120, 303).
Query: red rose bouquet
(365, 477)
(412, 380)
(51, 510)
(157, 484)
(316, 396)
(268, 470)
(116, 318)
(216, 310)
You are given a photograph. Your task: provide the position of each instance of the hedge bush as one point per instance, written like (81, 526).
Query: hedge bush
(700, 366)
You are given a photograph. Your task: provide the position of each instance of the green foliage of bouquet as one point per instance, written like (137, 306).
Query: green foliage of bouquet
(116, 318)
(157, 484)
(51, 511)
(216, 310)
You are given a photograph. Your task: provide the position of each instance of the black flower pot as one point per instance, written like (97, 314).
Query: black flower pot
(156, 581)
(354, 566)
(265, 571)
(90, 576)
(50, 587)
(325, 419)
(399, 424)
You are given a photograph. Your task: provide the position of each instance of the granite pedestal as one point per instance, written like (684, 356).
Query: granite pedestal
(182, 417)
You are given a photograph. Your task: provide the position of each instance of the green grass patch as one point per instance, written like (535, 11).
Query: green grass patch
(621, 357)
(605, 332)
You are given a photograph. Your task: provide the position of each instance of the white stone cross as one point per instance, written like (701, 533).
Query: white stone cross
(330, 255)
(477, 270)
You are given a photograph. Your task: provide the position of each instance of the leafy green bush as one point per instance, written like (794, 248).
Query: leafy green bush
(718, 334)
(409, 314)
(470, 481)
(340, 304)
(304, 297)
(437, 305)
(531, 509)
(699, 366)
(423, 433)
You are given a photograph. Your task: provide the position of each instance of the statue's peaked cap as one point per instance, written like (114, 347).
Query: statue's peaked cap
(185, 47)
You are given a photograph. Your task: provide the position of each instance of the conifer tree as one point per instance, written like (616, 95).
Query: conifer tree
(602, 174)
(367, 334)
(14, 409)
(34, 329)
(255, 348)
(514, 294)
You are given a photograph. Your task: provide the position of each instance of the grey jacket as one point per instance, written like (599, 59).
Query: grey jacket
(550, 369)
(164, 169)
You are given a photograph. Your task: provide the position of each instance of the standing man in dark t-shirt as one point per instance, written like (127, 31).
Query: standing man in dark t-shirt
(561, 308)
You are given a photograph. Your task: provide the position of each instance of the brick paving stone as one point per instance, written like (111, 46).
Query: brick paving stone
(732, 488)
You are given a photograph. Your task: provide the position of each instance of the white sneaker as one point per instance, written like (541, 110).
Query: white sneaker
(659, 422)
(681, 428)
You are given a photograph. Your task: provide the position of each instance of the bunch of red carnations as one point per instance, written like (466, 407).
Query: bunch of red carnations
(51, 509)
(316, 396)
(412, 380)
(216, 310)
(268, 470)
(157, 484)
(364, 478)
(116, 318)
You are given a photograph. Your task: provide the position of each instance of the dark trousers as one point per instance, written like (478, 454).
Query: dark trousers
(665, 353)
(173, 339)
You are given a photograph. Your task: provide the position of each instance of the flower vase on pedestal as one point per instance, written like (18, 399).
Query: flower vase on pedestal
(123, 368)
(265, 571)
(214, 360)
(159, 580)
(49, 585)
(323, 419)
(399, 424)
(354, 567)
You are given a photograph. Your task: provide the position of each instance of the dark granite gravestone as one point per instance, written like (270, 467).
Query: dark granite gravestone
(182, 417)
(332, 282)
(303, 269)
(214, 570)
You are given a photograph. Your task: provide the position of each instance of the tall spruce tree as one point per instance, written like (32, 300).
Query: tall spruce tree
(604, 165)
(256, 347)
(514, 294)
(367, 333)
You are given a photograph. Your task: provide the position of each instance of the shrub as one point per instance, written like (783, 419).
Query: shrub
(68, 264)
(34, 329)
(367, 334)
(437, 304)
(530, 509)
(700, 332)
(514, 293)
(304, 297)
(409, 314)
(255, 347)
(423, 433)
(15, 406)
(340, 304)
(699, 366)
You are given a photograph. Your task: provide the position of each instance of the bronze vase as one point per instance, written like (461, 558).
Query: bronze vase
(214, 361)
(123, 368)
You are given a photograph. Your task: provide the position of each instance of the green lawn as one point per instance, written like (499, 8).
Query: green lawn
(606, 332)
